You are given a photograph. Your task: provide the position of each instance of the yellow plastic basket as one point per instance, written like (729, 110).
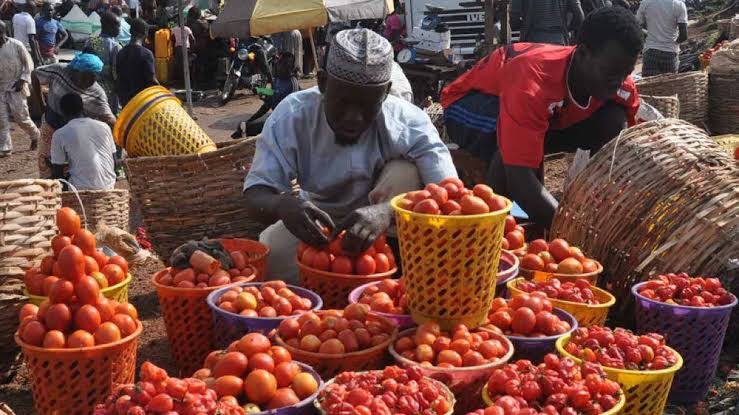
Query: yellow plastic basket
(450, 264)
(729, 141)
(646, 391)
(154, 123)
(616, 409)
(586, 314)
(118, 292)
(592, 277)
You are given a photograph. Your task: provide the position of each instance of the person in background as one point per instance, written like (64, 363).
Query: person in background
(291, 42)
(182, 45)
(106, 47)
(528, 99)
(545, 21)
(309, 62)
(24, 29)
(79, 77)
(666, 22)
(135, 64)
(15, 75)
(48, 30)
(124, 36)
(63, 9)
(85, 146)
(394, 27)
(200, 31)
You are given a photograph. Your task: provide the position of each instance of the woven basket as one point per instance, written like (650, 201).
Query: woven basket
(669, 107)
(690, 87)
(723, 103)
(110, 207)
(189, 197)
(660, 197)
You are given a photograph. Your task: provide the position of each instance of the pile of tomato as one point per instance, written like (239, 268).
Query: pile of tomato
(621, 349)
(556, 256)
(580, 291)
(555, 386)
(387, 296)
(272, 299)
(429, 346)
(192, 277)
(526, 316)
(384, 392)
(253, 371)
(514, 236)
(681, 289)
(157, 393)
(335, 331)
(450, 197)
(377, 259)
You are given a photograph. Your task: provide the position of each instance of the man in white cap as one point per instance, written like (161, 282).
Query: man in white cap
(350, 146)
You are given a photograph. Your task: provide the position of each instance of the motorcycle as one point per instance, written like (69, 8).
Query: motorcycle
(250, 67)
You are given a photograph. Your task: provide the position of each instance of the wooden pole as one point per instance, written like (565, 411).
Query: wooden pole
(489, 9)
(185, 60)
(505, 23)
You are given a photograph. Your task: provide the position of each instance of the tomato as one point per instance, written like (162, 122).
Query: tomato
(71, 262)
(58, 317)
(85, 240)
(483, 191)
(560, 249)
(321, 261)
(260, 386)
(524, 321)
(515, 239)
(125, 323)
(87, 290)
(570, 266)
(232, 363)
(58, 243)
(121, 262)
(501, 319)
(61, 291)
(87, 318)
(107, 333)
(342, 265)
(365, 265)
(473, 205)
(438, 193)
(113, 273)
(80, 338)
(33, 333)
(427, 207)
(283, 397)
(532, 262)
(417, 196)
(68, 221)
(160, 403)
(304, 385)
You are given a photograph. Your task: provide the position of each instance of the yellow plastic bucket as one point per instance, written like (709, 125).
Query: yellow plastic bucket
(118, 292)
(154, 123)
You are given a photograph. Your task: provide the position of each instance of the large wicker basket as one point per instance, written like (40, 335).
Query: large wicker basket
(723, 107)
(110, 207)
(690, 87)
(661, 197)
(669, 107)
(189, 197)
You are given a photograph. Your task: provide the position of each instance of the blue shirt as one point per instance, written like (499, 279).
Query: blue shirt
(283, 88)
(124, 37)
(46, 30)
(298, 144)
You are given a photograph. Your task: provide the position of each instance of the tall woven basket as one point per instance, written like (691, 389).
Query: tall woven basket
(661, 197)
(27, 224)
(669, 107)
(723, 108)
(691, 89)
(110, 207)
(189, 197)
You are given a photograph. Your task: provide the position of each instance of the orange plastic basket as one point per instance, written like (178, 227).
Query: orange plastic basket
(450, 264)
(73, 381)
(330, 365)
(189, 322)
(586, 314)
(334, 288)
(592, 277)
(256, 254)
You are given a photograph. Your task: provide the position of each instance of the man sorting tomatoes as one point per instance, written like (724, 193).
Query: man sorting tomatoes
(527, 99)
(349, 146)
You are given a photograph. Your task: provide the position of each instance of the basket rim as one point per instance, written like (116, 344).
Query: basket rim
(394, 203)
(195, 290)
(561, 350)
(513, 285)
(621, 401)
(582, 275)
(492, 365)
(213, 296)
(383, 345)
(555, 310)
(383, 275)
(103, 291)
(96, 348)
(513, 261)
(356, 293)
(636, 294)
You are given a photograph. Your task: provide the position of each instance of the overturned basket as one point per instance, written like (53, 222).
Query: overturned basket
(669, 107)
(691, 89)
(110, 207)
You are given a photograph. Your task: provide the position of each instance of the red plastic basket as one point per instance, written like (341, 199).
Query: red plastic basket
(335, 288)
(256, 254)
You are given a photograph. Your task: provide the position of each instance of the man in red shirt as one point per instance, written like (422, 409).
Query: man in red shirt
(538, 99)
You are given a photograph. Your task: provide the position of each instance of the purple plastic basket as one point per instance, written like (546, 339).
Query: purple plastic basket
(507, 270)
(304, 407)
(697, 333)
(229, 327)
(535, 348)
(403, 321)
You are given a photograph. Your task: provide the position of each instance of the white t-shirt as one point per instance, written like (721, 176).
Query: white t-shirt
(661, 18)
(23, 25)
(87, 146)
(178, 36)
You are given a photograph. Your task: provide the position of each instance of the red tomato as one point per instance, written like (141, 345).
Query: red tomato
(427, 207)
(365, 265)
(473, 205)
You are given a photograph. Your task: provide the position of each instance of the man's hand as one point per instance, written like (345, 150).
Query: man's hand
(18, 85)
(300, 218)
(363, 226)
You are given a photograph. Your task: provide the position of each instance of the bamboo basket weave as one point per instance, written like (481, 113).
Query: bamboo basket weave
(690, 87)
(669, 107)
(723, 108)
(662, 197)
(193, 196)
(110, 207)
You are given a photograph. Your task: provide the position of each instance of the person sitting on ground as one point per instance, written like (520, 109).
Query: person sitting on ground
(666, 22)
(285, 83)
(84, 145)
(48, 31)
(135, 64)
(350, 146)
(526, 100)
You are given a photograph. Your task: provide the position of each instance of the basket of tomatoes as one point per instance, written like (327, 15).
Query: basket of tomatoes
(693, 313)
(643, 365)
(386, 298)
(247, 252)
(393, 390)
(544, 260)
(555, 386)
(334, 341)
(461, 359)
(514, 237)
(450, 244)
(333, 274)
(507, 271)
(111, 274)
(262, 378)
(256, 307)
(531, 323)
(587, 303)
